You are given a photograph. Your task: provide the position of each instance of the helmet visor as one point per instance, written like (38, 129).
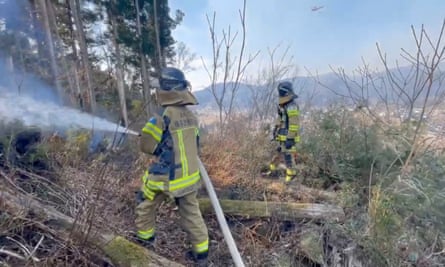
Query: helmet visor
(169, 85)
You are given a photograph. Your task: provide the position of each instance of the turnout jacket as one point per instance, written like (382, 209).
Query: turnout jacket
(173, 137)
(287, 124)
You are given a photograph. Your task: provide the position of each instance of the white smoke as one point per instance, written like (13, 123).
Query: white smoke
(46, 114)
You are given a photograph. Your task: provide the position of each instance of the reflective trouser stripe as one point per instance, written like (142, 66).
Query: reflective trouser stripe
(281, 138)
(293, 113)
(291, 172)
(293, 128)
(146, 234)
(202, 247)
(292, 149)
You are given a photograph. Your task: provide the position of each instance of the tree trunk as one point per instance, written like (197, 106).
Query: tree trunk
(144, 71)
(121, 251)
(79, 96)
(10, 69)
(52, 54)
(119, 71)
(19, 50)
(159, 60)
(75, 66)
(278, 210)
(66, 72)
(76, 11)
(40, 47)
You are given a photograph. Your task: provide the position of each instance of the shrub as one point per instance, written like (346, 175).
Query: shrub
(233, 158)
(394, 203)
(345, 146)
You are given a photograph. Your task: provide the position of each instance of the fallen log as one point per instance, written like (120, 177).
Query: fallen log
(121, 251)
(301, 192)
(279, 210)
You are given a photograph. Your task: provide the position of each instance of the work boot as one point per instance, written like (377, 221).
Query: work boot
(148, 243)
(201, 259)
(290, 175)
(289, 178)
(271, 172)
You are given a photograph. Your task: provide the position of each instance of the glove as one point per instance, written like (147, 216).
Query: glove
(289, 143)
(274, 133)
(139, 197)
(280, 113)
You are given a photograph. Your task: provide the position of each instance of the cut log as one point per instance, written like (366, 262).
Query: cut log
(278, 210)
(121, 251)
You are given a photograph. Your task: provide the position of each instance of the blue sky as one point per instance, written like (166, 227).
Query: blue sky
(339, 34)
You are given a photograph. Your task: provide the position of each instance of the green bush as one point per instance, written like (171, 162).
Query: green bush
(395, 208)
(345, 145)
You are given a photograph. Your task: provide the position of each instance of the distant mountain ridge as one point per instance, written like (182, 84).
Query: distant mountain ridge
(303, 85)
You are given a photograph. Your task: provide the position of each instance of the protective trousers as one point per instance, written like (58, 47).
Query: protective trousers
(289, 159)
(190, 219)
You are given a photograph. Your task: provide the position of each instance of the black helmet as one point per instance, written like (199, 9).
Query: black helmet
(172, 79)
(285, 89)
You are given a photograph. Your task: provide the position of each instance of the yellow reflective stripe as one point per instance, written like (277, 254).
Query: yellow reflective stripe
(293, 113)
(202, 247)
(293, 128)
(282, 137)
(176, 184)
(155, 136)
(146, 234)
(272, 167)
(185, 181)
(148, 193)
(150, 185)
(153, 130)
(154, 185)
(152, 126)
(297, 139)
(291, 172)
(145, 177)
(182, 154)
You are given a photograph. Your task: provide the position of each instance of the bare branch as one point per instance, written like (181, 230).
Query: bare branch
(228, 65)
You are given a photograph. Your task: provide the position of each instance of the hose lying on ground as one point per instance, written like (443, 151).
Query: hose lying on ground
(220, 216)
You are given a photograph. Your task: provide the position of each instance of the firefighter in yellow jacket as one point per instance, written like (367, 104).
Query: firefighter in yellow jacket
(172, 137)
(286, 131)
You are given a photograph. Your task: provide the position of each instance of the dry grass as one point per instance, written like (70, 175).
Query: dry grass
(99, 189)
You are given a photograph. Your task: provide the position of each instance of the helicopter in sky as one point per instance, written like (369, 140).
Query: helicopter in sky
(316, 8)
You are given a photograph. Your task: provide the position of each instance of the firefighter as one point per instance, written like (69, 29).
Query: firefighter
(172, 136)
(286, 131)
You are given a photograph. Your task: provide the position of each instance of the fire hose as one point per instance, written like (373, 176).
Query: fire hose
(220, 217)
